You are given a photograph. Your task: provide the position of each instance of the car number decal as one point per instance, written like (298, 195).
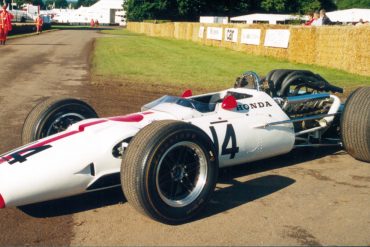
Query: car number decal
(230, 135)
(22, 155)
(43, 145)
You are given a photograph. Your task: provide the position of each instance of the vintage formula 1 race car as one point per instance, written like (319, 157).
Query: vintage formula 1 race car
(166, 157)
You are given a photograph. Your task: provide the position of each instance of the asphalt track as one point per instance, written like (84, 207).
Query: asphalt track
(307, 197)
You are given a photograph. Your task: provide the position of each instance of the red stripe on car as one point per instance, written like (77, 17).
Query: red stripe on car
(83, 126)
(128, 118)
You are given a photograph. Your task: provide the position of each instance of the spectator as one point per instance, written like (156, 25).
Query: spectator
(92, 23)
(310, 20)
(96, 23)
(5, 24)
(317, 21)
(324, 18)
(361, 22)
(39, 22)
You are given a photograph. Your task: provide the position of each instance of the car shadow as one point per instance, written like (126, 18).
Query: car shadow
(223, 199)
(75, 204)
(240, 193)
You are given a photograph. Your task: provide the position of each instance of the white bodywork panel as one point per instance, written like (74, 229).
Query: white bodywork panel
(70, 162)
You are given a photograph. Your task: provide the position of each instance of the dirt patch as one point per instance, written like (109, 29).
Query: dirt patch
(361, 178)
(302, 236)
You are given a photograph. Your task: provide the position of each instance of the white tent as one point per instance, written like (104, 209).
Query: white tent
(105, 11)
(349, 15)
(270, 18)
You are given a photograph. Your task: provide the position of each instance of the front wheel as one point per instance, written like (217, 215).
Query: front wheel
(54, 115)
(169, 171)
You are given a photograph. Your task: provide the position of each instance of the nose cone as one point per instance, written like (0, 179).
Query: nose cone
(2, 202)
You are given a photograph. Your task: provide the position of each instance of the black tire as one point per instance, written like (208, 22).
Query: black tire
(279, 76)
(296, 76)
(184, 157)
(54, 115)
(355, 124)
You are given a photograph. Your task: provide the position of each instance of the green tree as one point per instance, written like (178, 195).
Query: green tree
(329, 5)
(277, 6)
(85, 3)
(347, 4)
(60, 4)
(190, 10)
(307, 6)
(38, 3)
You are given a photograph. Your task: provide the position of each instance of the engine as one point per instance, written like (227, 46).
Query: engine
(305, 106)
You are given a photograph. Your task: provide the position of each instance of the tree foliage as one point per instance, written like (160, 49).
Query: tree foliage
(59, 4)
(345, 4)
(85, 3)
(190, 10)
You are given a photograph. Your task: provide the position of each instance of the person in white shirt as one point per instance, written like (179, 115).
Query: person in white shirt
(317, 20)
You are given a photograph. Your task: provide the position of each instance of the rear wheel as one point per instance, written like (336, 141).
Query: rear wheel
(169, 171)
(355, 124)
(54, 115)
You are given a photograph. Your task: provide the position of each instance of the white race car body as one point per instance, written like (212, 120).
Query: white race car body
(87, 157)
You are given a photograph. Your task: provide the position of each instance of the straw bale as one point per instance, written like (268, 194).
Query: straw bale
(302, 45)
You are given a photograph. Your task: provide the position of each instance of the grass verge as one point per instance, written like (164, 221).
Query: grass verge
(138, 58)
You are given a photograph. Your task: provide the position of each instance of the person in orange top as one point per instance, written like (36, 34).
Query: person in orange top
(5, 24)
(92, 23)
(39, 23)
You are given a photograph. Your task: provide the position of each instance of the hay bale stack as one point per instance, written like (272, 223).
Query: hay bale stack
(302, 45)
(344, 48)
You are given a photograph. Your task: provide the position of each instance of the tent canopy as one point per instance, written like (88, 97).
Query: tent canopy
(271, 18)
(349, 15)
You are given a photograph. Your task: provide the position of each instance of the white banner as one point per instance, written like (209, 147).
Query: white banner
(201, 32)
(214, 33)
(277, 38)
(231, 34)
(33, 10)
(251, 36)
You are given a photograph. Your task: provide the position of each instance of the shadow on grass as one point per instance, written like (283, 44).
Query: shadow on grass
(223, 199)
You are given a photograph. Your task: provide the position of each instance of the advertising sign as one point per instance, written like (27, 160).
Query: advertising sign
(214, 33)
(251, 36)
(277, 38)
(231, 34)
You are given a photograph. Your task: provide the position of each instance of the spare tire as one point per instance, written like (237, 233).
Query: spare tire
(53, 115)
(355, 124)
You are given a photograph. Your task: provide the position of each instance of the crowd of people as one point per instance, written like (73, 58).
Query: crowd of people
(318, 18)
(94, 23)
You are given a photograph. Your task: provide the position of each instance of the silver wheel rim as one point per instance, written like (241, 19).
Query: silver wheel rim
(63, 122)
(181, 174)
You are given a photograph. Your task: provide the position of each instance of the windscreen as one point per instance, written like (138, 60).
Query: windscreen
(196, 105)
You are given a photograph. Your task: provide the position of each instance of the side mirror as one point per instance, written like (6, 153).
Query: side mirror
(187, 93)
(229, 103)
